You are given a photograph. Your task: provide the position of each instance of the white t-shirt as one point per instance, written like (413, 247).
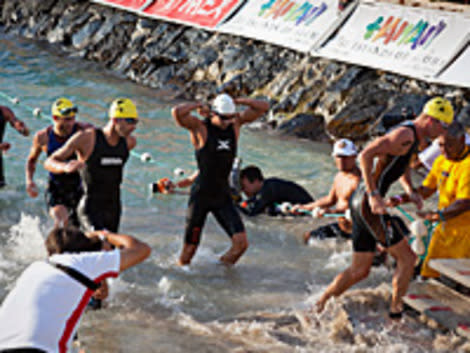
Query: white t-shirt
(428, 155)
(44, 307)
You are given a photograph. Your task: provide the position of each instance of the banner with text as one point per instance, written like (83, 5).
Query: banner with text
(198, 13)
(410, 41)
(295, 24)
(132, 5)
(458, 73)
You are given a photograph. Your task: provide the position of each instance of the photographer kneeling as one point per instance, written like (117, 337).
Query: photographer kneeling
(42, 311)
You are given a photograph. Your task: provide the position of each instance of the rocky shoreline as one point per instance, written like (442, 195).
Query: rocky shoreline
(310, 97)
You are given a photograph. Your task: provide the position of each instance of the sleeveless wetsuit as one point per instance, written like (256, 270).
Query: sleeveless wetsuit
(211, 190)
(63, 188)
(3, 122)
(100, 206)
(368, 228)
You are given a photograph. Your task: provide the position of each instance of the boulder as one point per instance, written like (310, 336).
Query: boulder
(305, 126)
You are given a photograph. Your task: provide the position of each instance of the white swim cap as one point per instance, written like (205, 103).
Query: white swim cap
(224, 104)
(344, 147)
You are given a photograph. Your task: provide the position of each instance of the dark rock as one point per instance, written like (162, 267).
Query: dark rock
(234, 86)
(106, 28)
(41, 6)
(83, 37)
(402, 107)
(67, 25)
(160, 77)
(203, 58)
(126, 61)
(360, 113)
(305, 126)
(352, 77)
(290, 102)
(234, 59)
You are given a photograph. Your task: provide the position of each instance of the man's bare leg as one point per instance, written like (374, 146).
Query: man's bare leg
(239, 246)
(60, 215)
(406, 260)
(357, 271)
(187, 254)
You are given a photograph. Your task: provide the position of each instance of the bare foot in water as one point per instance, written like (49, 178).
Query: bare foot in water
(320, 305)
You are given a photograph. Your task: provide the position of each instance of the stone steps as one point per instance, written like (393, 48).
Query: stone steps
(441, 304)
(457, 270)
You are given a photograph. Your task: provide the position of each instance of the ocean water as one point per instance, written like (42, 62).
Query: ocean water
(260, 305)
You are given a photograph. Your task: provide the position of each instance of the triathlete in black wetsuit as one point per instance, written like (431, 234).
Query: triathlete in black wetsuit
(64, 190)
(100, 206)
(371, 223)
(368, 228)
(6, 115)
(215, 141)
(102, 154)
(265, 194)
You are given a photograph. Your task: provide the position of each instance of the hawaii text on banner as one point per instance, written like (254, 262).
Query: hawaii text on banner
(294, 24)
(409, 41)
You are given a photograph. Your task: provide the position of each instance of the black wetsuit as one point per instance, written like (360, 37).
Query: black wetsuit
(331, 230)
(211, 191)
(100, 206)
(63, 188)
(3, 122)
(368, 228)
(275, 191)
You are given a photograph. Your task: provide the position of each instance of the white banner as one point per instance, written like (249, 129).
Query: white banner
(410, 41)
(295, 24)
(458, 73)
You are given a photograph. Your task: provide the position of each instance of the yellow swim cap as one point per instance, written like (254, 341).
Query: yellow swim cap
(63, 107)
(439, 108)
(123, 108)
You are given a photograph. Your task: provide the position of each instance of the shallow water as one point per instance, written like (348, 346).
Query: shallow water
(261, 304)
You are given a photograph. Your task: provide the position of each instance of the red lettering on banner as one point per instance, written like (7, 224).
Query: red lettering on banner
(205, 13)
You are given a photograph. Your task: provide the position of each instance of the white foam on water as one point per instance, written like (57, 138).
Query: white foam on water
(25, 241)
(167, 298)
(339, 260)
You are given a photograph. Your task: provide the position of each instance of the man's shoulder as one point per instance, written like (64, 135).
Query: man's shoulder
(275, 182)
(42, 136)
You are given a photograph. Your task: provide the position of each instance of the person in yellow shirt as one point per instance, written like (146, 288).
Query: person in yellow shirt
(450, 177)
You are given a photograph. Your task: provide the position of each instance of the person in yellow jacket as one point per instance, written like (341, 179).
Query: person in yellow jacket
(450, 177)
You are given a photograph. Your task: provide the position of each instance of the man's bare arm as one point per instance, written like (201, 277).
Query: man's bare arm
(57, 162)
(34, 153)
(256, 108)
(183, 117)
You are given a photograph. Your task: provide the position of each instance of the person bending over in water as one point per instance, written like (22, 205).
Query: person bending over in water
(266, 194)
